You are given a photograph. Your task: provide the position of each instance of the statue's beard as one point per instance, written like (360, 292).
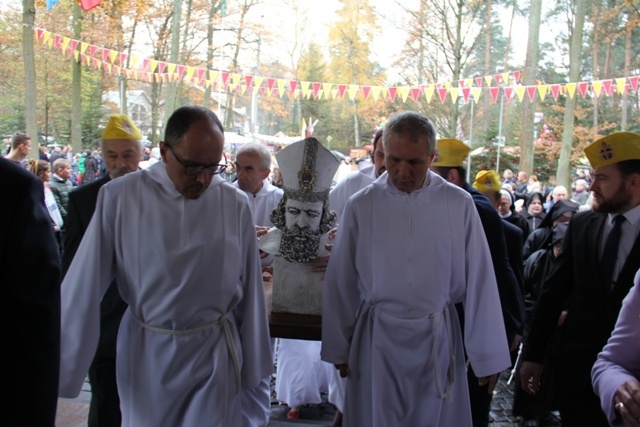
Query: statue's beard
(299, 244)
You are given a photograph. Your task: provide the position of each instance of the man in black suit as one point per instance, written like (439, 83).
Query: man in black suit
(450, 155)
(30, 268)
(122, 151)
(600, 256)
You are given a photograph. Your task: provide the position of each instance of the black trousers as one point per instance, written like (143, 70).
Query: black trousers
(104, 410)
(480, 400)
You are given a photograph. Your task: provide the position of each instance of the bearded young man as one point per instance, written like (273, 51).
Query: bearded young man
(590, 278)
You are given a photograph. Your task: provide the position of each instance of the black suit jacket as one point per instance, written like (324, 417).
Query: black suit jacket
(82, 204)
(575, 279)
(30, 266)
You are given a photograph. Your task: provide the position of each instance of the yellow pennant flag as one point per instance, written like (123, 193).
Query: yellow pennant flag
(542, 90)
(243, 89)
(213, 75)
(112, 56)
(65, 43)
(620, 83)
(571, 89)
(83, 47)
(505, 77)
(235, 78)
(133, 61)
(597, 87)
(488, 80)
(153, 64)
(353, 91)
(468, 82)
(403, 91)
(76, 54)
(171, 68)
(326, 87)
(375, 91)
(428, 93)
(306, 93)
(447, 85)
(189, 73)
(476, 92)
(320, 93)
(46, 38)
(520, 92)
(281, 83)
(454, 94)
(257, 81)
(334, 93)
(304, 86)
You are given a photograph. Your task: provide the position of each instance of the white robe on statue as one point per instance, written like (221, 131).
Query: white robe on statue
(256, 403)
(399, 263)
(196, 327)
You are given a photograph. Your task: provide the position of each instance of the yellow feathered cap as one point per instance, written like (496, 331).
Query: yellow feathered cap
(450, 153)
(487, 181)
(613, 148)
(120, 126)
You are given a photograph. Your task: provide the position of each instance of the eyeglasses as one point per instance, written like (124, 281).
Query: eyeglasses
(197, 169)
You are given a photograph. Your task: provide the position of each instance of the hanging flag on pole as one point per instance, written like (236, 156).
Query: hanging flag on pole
(88, 4)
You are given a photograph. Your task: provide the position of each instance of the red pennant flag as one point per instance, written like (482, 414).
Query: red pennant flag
(92, 50)
(263, 90)
(181, 69)
(479, 81)
(393, 91)
(516, 76)
(316, 88)
(249, 90)
(582, 88)
(555, 90)
(145, 63)
(460, 83)
(105, 54)
(494, 91)
(270, 82)
(442, 93)
(162, 66)
(531, 91)
(466, 91)
(274, 92)
(89, 4)
(74, 45)
(248, 80)
(293, 84)
(634, 83)
(57, 40)
(498, 78)
(200, 72)
(341, 90)
(607, 85)
(365, 92)
(123, 58)
(415, 93)
(508, 93)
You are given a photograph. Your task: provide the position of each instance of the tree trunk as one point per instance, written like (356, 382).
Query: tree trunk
(76, 86)
(170, 98)
(28, 22)
(210, 27)
(627, 68)
(487, 63)
(530, 73)
(563, 176)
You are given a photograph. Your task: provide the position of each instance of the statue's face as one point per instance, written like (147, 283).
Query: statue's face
(301, 237)
(305, 215)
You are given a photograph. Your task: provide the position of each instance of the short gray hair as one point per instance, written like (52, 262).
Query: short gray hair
(260, 149)
(413, 125)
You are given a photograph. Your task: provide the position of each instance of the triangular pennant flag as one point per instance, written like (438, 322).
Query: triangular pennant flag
(531, 91)
(516, 76)
(341, 90)
(105, 54)
(428, 93)
(320, 94)
(263, 91)
(582, 88)
(181, 69)
(597, 87)
(466, 91)
(447, 85)
(326, 87)
(488, 80)
(257, 81)
(281, 83)
(200, 73)
(442, 93)
(248, 80)
(468, 82)
(353, 91)
(476, 92)
(92, 50)
(83, 47)
(334, 93)
(542, 91)
(555, 91)
(620, 84)
(307, 93)
(392, 93)
(508, 93)
(498, 78)
(316, 88)
(224, 79)
(65, 43)
(461, 83)
(171, 69)
(107, 67)
(607, 85)
(57, 40)
(571, 89)
(384, 92)
(39, 33)
(634, 83)
(304, 85)
(479, 81)
(403, 91)
(520, 92)
(454, 94)
(415, 93)
(213, 76)
(162, 66)
(76, 54)
(47, 38)
(505, 78)
(293, 84)
(96, 63)
(494, 91)
(375, 91)
(270, 82)
(365, 92)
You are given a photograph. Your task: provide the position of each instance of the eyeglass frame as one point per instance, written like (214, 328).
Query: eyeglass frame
(199, 167)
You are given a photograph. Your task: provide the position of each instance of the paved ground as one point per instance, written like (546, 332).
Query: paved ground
(73, 413)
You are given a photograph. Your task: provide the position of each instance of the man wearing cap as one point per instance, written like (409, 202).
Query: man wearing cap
(450, 156)
(181, 244)
(410, 246)
(122, 148)
(592, 275)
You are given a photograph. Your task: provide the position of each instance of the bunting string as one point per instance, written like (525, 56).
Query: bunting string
(469, 89)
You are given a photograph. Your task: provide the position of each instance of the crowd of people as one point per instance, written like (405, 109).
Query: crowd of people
(150, 275)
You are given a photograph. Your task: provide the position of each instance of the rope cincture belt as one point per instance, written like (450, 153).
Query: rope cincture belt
(226, 326)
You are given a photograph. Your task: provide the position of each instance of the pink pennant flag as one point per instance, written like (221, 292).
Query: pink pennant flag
(479, 81)
(393, 91)
(105, 54)
(494, 91)
(248, 80)
(270, 82)
(516, 76)
(123, 58)
(315, 89)
(508, 93)
(531, 91)
(608, 86)
(582, 88)
(442, 93)
(365, 91)
(162, 66)
(415, 93)
(497, 78)
(466, 91)
(39, 33)
(341, 90)
(555, 91)
(293, 84)
(634, 83)
(200, 73)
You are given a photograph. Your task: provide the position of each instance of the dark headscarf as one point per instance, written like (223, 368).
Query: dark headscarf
(563, 207)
